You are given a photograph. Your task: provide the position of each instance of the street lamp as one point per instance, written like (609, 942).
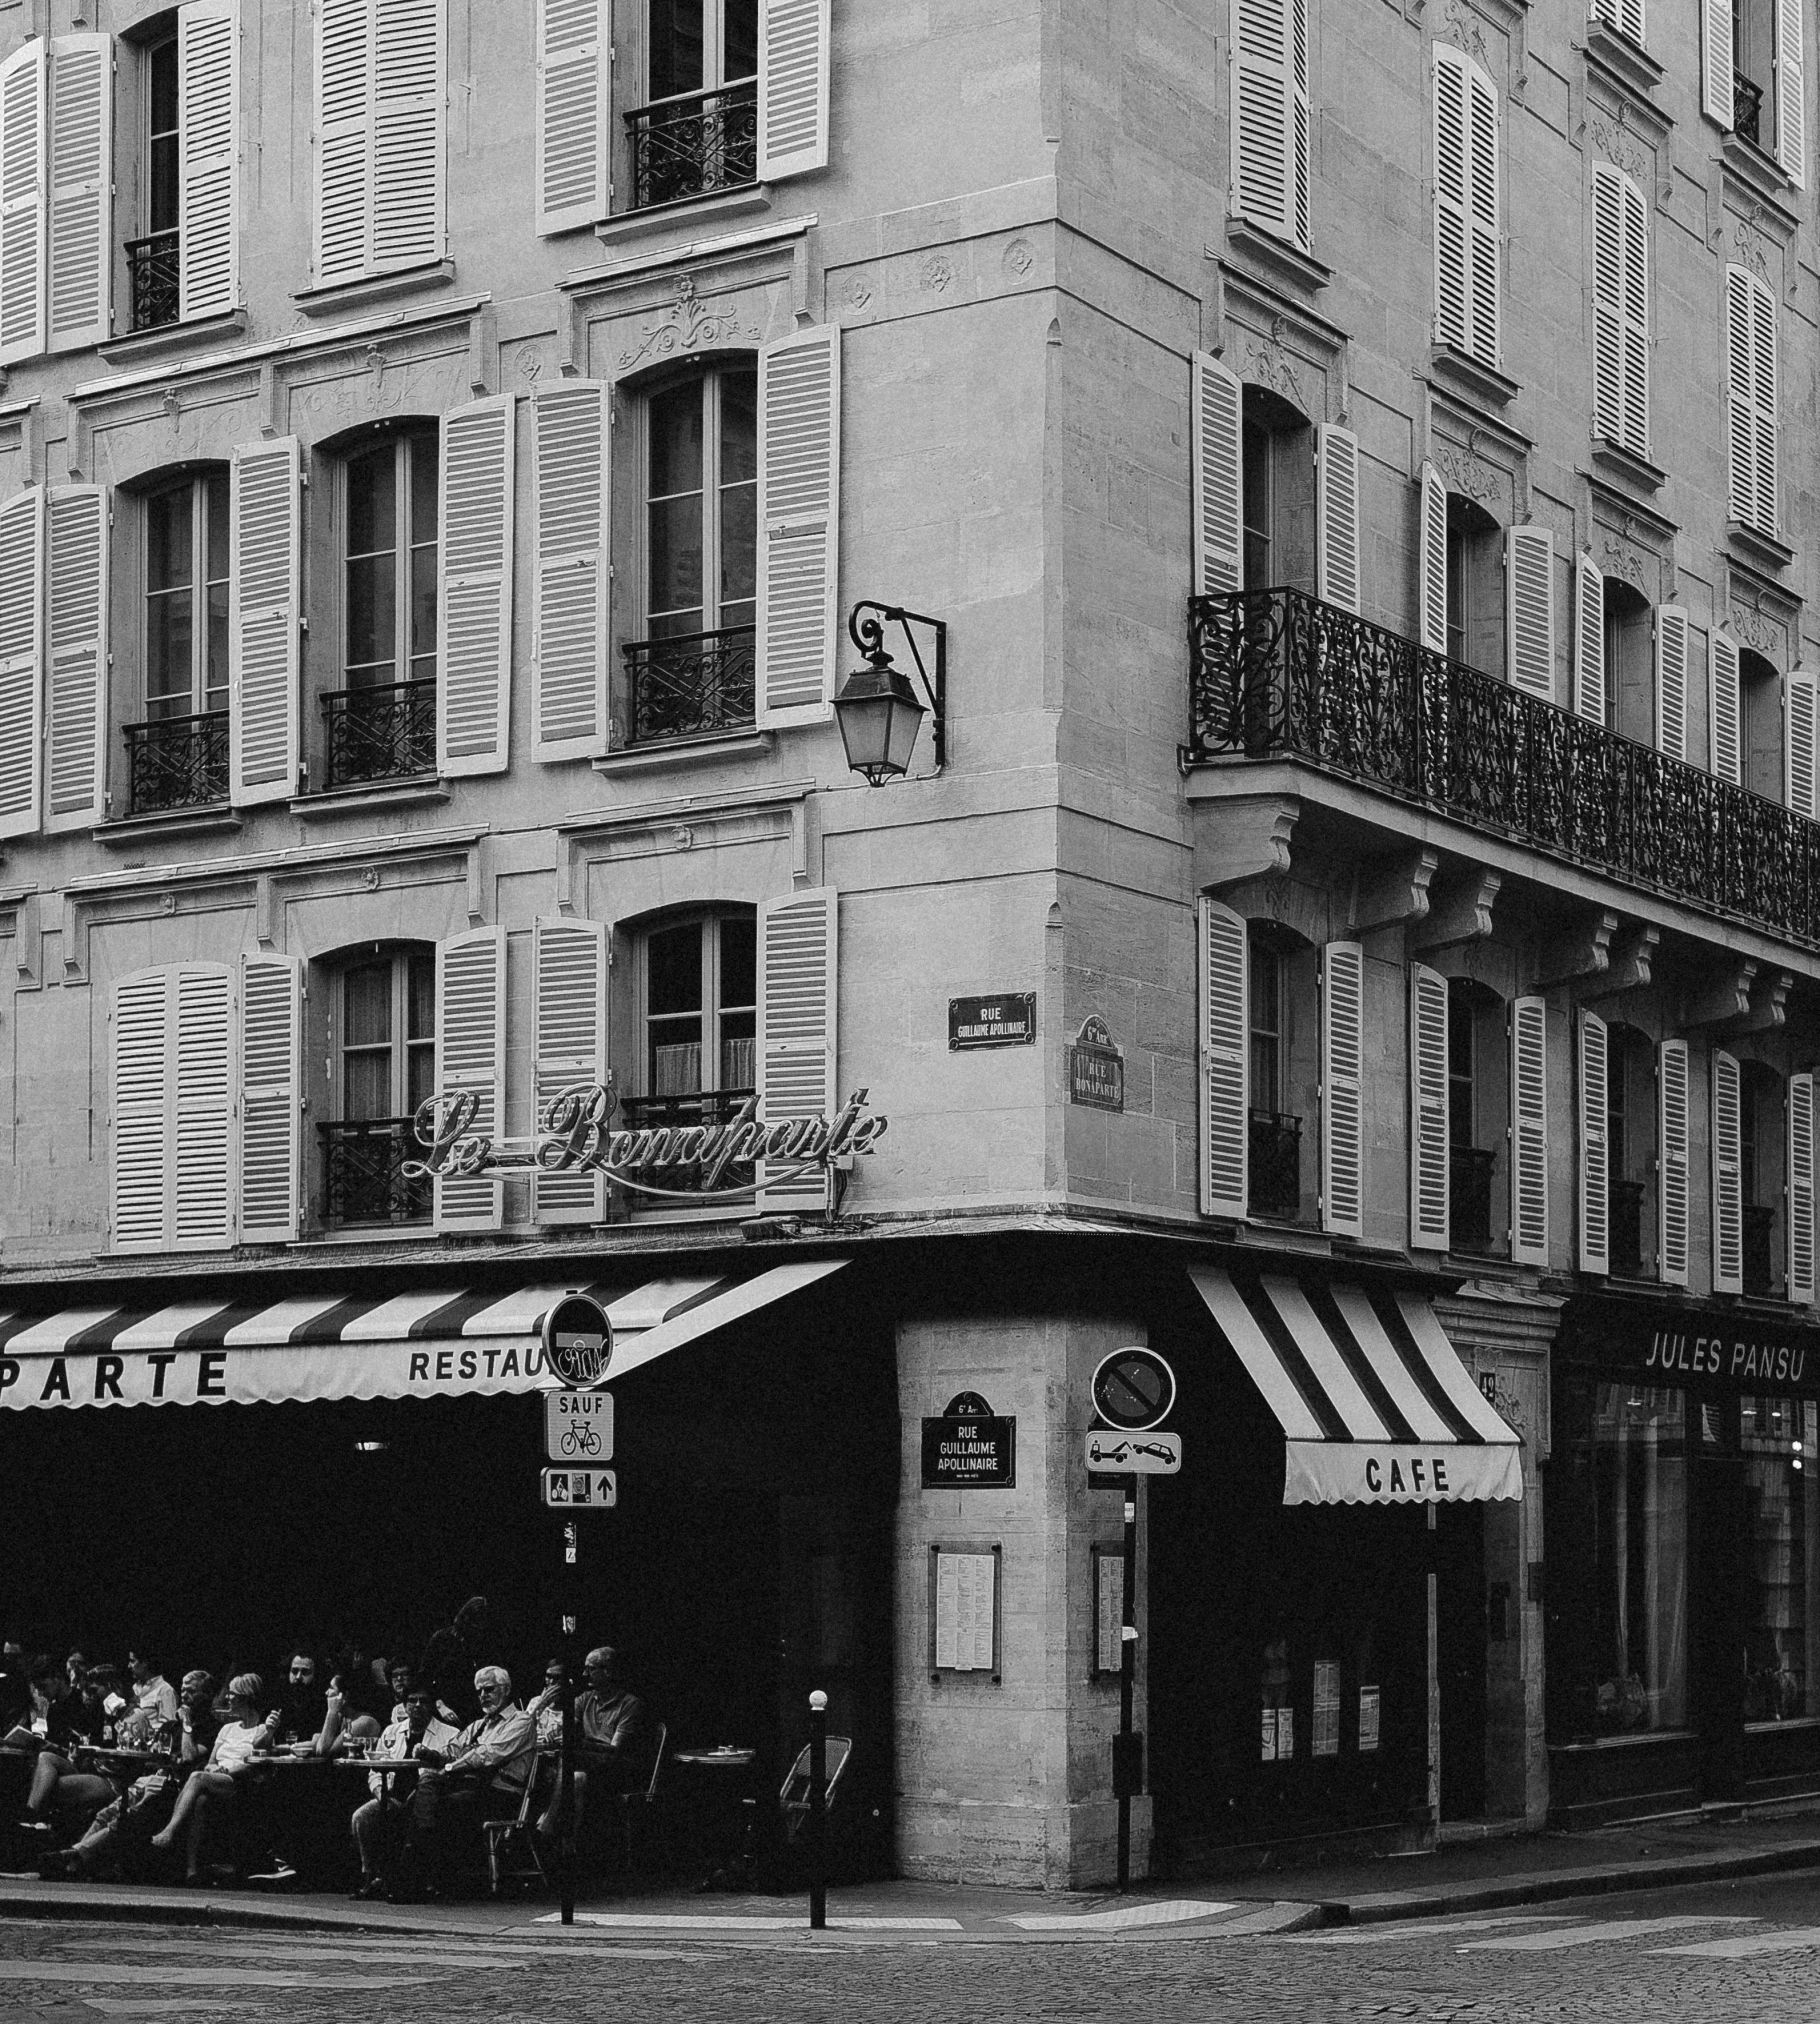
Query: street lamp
(878, 708)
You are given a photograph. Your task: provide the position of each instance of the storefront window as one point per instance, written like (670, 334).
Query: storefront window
(1640, 1480)
(1782, 1572)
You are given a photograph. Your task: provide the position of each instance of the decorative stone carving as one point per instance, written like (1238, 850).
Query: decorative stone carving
(1747, 243)
(686, 325)
(1762, 634)
(1464, 30)
(1459, 914)
(1618, 558)
(1614, 140)
(1396, 894)
(1267, 363)
(1467, 473)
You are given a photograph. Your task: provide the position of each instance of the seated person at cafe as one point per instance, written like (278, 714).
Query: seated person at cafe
(302, 1703)
(62, 1720)
(209, 1796)
(481, 1776)
(612, 1739)
(126, 1824)
(380, 1821)
(154, 1703)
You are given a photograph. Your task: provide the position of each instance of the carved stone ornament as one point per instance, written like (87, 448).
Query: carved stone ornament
(1464, 30)
(1620, 147)
(1494, 1384)
(686, 325)
(1467, 473)
(1617, 558)
(1268, 364)
(1748, 625)
(1747, 244)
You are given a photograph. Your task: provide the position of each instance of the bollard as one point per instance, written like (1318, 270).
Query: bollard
(818, 1811)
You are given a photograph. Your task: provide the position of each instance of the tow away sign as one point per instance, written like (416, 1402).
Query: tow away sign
(1152, 1454)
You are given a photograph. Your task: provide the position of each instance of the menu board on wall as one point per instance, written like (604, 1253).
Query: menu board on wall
(1108, 1609)
(1368, 1718)
(965, 1611)
(1326, 1739)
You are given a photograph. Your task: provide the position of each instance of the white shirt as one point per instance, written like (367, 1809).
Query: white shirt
(237, 1745)
(395, 1741)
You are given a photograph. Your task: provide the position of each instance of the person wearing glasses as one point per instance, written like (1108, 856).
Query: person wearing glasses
(480, 1776)
(379, 1820)
(210, 1795)
(612, 1737)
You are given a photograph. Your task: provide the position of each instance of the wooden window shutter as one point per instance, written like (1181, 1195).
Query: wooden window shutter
(794, 38)
(474, 593)
(1431, 562)
(1589, 640)
(271, 1099)
(1270, 115)
(1801, 1190)
(1430, 1168)
(574, 86)
(81, 191)
(345, 89)
(1751, 399)
(21, 661)
(408, 150)
(1801, 743)
(1724, 706)
(75, 695)
(208, 168)
(471, 1057)
(1624, 15)
(798, 977)
(1596, 1151)
(1529, 1131)
(1343, 1088)
(1486, 271)
(569, 1025)
(1225, 1022)
(24, 174)
(1728, 1175)
(1620, 310)
(569, 432)
(798, 524)
(1791, 93)
(1717, 82)
(1635, 316)
(264, 609)
(1453, 200)
(1671, 680)
(1673, 1159)
(139, 1180)
(204, 1099)
(1529, 609)
(1216, 438)
(1765, 383)
(1337, 517)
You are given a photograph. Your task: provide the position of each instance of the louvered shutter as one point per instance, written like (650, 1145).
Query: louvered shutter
(139, 1180)
(569, 427)
(574, 45)
(208, 166)
(1635, 306)
(569, 1026)
(81, 190)
(1431, 562)
(344, 139)
(1751, 399)
(1717, 86)
(408, 166)
(1728, 1176)
(1337, 518)
(1216, 437)
(1430, 1176)
(793, 64)
(1671, 680)
(203, 1091)
(1468, 255)
(1225, 1021)
(1765, 382)
(1529, 1132)
(471, 1056)
(271, 1089)
(798, 524)
(1596, 1151)
(1801, 743)
(1724, 706)
(1791, 94)
(75, 701)
(1624, 15)
(1270, 115)
(1485, 274)
(1529, 609)
(1672, 1162)
(474, 592)
(24, 169)
(797, 983)
(21, 660)
(1343, 1088)
(1589, 640)
(264, 519)
(1620, 310)
(1801, 1190)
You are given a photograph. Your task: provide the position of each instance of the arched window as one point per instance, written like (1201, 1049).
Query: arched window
(698, 129)
(382, 1065)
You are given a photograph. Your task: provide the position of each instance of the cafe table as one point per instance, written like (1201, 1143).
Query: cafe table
(728, 1790)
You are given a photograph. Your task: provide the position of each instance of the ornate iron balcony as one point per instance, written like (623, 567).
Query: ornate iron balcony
(361, 1181)
(697, 142)
(1747, 109)
(1277, 674)
(1469, 1210)
(691, 685)
(1276, 1164)
(704, 1107)
(156, 279)
(1759, 1227)
(176, 762)
(1625, 1228)
(382, 733)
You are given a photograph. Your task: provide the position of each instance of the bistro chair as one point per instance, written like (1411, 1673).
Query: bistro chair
(633, 1805)
(513, 1856)
(793, 1797)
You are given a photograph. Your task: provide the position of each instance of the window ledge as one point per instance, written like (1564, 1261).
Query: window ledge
(1472, 376)
(1620, 54)
(343, 295)
(687, 752)
(1619, 461)
(416, 792)
(171, 337)
(1762, 548)
(1761, 174)
(736, 203)
(216, 819)
(1284, 259)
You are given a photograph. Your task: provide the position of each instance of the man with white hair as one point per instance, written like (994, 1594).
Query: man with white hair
(481, 1776)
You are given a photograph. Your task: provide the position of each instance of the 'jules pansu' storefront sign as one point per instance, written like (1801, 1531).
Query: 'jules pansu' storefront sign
(1674, 1343)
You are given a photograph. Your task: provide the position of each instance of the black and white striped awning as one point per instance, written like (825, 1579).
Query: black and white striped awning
(436, 1344)
(1374, 1402)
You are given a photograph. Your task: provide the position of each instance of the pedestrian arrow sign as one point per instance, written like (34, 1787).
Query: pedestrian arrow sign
(580, 1489)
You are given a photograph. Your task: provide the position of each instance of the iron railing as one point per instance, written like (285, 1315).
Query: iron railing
(1276, 1164)
(1747, 109)
(691, 685)
(1469, 1208)
(706, 1107)
(1759, 1228)
(694, 143)
(1624, 1228)
(155, 277)
(176, 762)
(1278, 674)
(362, 1177)
(381, 733)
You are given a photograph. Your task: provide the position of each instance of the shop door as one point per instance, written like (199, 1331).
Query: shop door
(1459, 1543)
(1717, 1637)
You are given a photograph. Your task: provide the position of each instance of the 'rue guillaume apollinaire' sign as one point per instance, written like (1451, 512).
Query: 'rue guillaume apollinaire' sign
(969, 1447)
(1007, 1019)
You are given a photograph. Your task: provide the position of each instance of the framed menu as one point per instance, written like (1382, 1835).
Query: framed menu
(964, 1609)
(1108, 1611)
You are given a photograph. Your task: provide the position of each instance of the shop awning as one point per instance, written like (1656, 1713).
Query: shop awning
(1374, 1403)
(437, 1344)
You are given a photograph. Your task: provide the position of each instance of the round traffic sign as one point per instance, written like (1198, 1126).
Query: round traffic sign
(1133, 1389)
(577, 1340)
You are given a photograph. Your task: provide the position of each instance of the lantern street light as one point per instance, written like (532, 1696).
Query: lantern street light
(878, 707)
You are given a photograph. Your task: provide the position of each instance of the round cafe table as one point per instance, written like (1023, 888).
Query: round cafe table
(730, 1803)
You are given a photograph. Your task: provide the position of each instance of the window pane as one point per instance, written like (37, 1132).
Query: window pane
(676, 46)
(676, 563)
(169, 525)
(420, 1073)
(366, 1084)
(169, 665)
(673, 970)
(373, 501)
(739, 37)
(161, 84)
(425, 453)
(420, 994)
(215, 521)
(738, 428)
(215, 694)
(423, 608)
(676, 440)
(739, 960)
(1256, 505)
(675, 1067)
(1782, 1528)
(367, 1004)
(371, 616)
(161, 138)
(1639, 1457)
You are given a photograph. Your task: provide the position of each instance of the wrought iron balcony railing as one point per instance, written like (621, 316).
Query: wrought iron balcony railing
(362, 1181)
(176, 762)
(1625, 1228)
(1276, 1164)
(700, 1107)
(155, 273)
(382, 733)
(691, 685)
(1759, 1229)
(1278, 674)
(1747, 109)
(694, 143)
(1469, 1210)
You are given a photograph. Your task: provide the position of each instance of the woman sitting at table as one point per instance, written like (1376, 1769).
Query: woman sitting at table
(210, 1794)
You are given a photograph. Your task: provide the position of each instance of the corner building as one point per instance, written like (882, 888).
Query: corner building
(1359, 458)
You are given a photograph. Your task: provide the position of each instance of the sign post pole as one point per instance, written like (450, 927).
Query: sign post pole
(818, 1811)
(571, 1624)
(1127, 1682)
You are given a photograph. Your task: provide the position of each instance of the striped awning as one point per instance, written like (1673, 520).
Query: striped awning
(1374, 1403)
(437, 1344)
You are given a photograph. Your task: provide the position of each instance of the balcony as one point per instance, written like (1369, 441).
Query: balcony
(1747, 109)
(693, 144)
(1276, 674)
(176, 762)
(362, 1181)
(1276, 1165)
(154, 276)
(1759, 1228)
(699, 1107)
(1469, 1210)
(387, 732)
(1625, 1229)
(690, 686)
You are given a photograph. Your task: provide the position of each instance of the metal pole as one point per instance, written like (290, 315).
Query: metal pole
(1127, 1682)
(818, 1811)
(571, 1619)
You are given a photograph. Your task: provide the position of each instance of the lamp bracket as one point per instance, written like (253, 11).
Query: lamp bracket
(867, 632)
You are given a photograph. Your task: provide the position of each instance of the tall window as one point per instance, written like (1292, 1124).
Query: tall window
(390, 562)
(1266, 1028)
(1638, 1454)
(696, 44)
(387, 1052)
(186, 598)
(1782, 1539)
(1255, 504)
(1475, 587)
(701, 1006)
(163, 144)
(699, 129)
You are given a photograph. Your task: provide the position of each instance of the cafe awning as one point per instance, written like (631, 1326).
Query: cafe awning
(1374, 1403)
(437, 1344)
